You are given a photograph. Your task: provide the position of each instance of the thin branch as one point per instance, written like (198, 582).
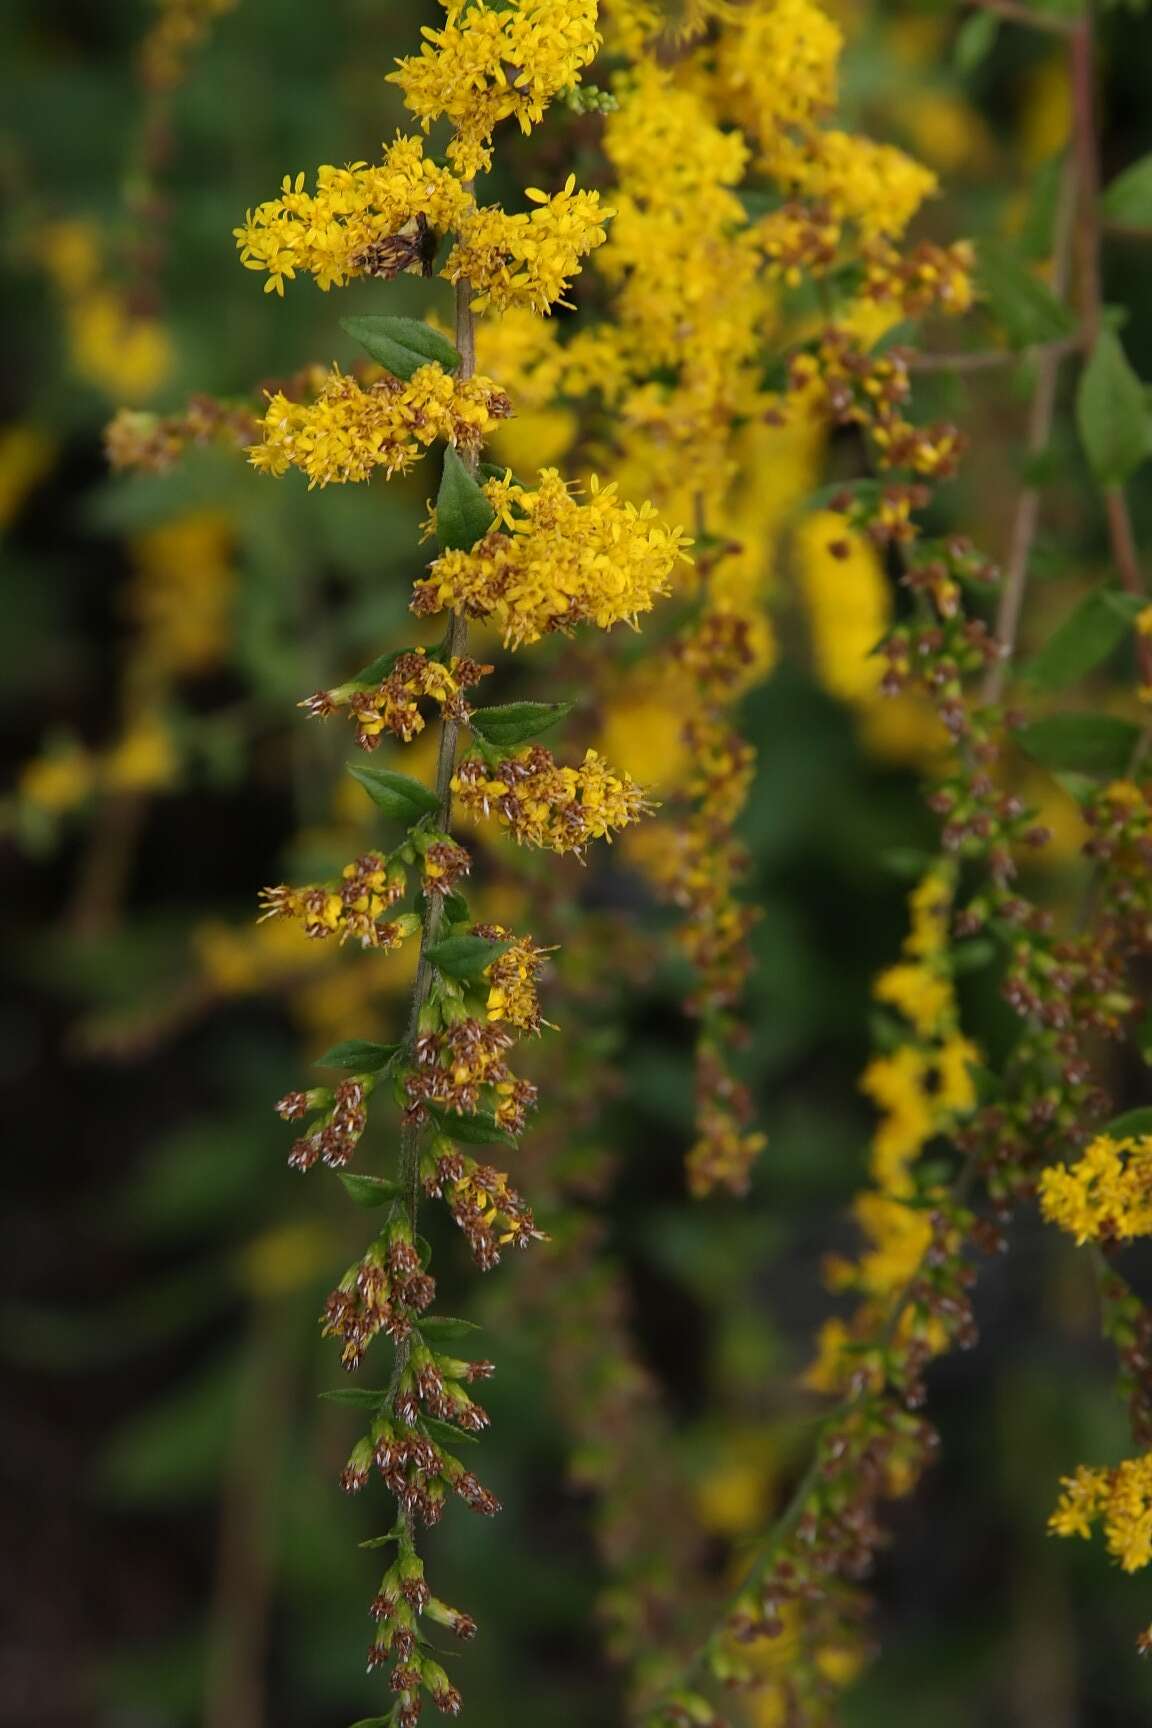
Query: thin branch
(1122, 539)
(1040, 420)
(1016, 13)
(990, 359)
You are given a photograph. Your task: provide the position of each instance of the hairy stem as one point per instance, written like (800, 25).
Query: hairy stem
(455, 645)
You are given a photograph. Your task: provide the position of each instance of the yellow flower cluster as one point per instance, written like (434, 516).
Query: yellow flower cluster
(1106, 1195)
(920, 1088)
(545, 804)
(336, 232)
(562, 562)
(393, 704)
(179, 30)
(1120, 1500)
(494, 62)
(923, 278)
(528, 259)
(181, 593)
(512, 979)
(677, 169)
(350, 431)
(369, 887)
(876, 186)
(126, 353)
(778, 68)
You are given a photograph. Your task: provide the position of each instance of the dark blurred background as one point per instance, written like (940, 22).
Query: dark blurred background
(176, 1548)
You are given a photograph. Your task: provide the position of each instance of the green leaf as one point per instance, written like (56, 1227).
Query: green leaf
(402, 345)
(1128, 200)
(370, 1191)
(515, 722)
(1024, 308)
(1133, 1123)
(375, 1721)
(1112, 413)
(478, 1130)
(973, 956)
(357, 1397)
(1082, 743)
(378, 669)
(358, 1056)
(1090, 632)
(863, 492)
(456, 909)
(441, 1329)
(907, 862)
(974, 41)
(465, 956)
(397, 795)
(445, 1434)
(897, 336)
(463, 514)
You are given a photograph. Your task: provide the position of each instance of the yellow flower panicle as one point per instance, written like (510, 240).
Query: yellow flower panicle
(876, 186)
(778, 69)
(1106, 1195)
(350, 430)
(1119, 1500)
(528, 259)
(491, 63)
(352, 223)
(921, 1088)
(392, 703)
(355, 908)
(512, 996)
(563, 561)
(543, 803)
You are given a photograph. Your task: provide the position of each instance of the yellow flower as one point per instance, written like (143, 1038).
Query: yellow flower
(350, 224)
(145, 759)
(527, 260)
(491, 63)
(1106, 1195)
(542, 803)
(1120, 1499)
(848, 600)
(920, 995)
(349, 431)
(563, 562)
(25, 457)
(60, 779)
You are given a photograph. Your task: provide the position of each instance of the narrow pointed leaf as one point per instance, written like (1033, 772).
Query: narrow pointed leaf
(401, 345)
(1081, 743)
(396, 794)
(370, 1191)
(516, 722)
(463, 514)
(466, 956)
(1112, 413)
(358, 1056)
(1086, 637)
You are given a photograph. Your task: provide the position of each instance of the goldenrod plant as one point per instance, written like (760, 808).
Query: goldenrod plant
(736, 892)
